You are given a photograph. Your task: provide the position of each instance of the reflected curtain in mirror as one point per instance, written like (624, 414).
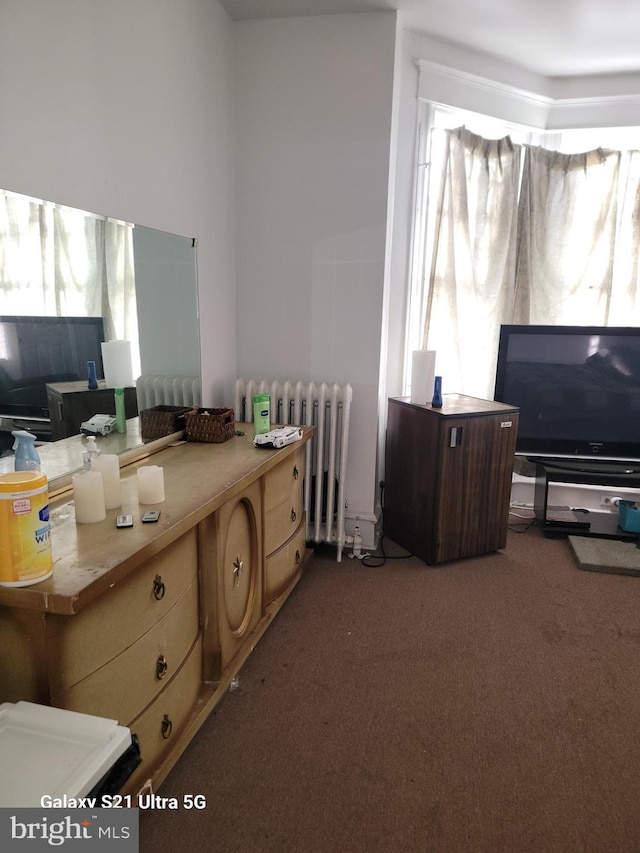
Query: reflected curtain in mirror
(59, 261)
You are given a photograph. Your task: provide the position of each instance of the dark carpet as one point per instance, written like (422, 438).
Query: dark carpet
(490, 704)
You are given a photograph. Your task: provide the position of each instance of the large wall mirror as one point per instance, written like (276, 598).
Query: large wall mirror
(95, 256)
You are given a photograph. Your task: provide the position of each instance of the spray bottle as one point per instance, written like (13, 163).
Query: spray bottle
(26, 456)
(90, 452)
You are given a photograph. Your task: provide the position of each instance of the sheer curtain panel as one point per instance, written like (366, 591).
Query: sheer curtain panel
(523, 234)
(473, 256)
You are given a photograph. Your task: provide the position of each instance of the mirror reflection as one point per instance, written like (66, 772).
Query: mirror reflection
(69, 280)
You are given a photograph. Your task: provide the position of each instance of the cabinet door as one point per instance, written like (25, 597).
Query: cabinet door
(476, 461)
(231, 560)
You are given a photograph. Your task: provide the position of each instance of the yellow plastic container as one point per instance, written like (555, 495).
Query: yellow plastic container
(25, 543)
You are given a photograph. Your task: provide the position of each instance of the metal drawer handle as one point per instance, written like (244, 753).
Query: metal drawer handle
(293, 515)
(296, 473)
(158, 588)
(238, 568)
(161, 667)
(166, 727)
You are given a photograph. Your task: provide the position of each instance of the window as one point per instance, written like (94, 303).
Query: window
(514, 224)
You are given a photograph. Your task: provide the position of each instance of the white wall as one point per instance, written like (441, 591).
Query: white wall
(314, 103)
(125, 108)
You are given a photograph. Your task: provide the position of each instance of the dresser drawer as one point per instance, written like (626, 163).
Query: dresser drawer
(125, 685)
(283, 565)
(281, 522)
(284, 481)
(161, 725)
(78, 645)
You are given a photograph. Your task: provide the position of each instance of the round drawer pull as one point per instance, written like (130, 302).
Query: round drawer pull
(293, 515)
(158, 588)
(166, 727)
(298, 557)
(296, 472)
(161, 667)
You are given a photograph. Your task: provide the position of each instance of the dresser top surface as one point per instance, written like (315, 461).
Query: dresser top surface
(88, 559)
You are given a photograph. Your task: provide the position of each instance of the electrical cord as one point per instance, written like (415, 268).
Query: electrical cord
(528, 521)
(382, 557)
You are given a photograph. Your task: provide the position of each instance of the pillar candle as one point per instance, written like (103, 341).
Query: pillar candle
(88, 496)
(423, 369)
(116, 358)
(109, 467)
(150, 484)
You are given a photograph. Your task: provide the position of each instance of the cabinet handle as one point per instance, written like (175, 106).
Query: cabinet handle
(158, 588)
(166, 727)
(455, 436)
(238, 568)
(296, 473)
(161, 667)
(298, 557)
(293, 515)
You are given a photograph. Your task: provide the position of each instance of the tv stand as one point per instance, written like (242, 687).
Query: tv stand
(558, 521)
(590, 466)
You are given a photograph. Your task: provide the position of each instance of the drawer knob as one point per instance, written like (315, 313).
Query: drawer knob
(158, 588)
(161, 667)
(296, 472)
(166, 726)
(293, 515)
(298, 557)
(238, 568)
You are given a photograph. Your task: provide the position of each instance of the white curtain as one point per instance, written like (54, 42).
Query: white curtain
(552, 240)
(567, 232)
(59, 261)
(473, 257)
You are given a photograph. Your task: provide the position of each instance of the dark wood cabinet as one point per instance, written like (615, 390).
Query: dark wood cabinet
(448, 476)
(71, 403)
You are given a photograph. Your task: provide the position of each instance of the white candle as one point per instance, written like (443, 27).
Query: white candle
(109, 467)
(116, 359)
(423, 370)
(150, 484)
(88, 496)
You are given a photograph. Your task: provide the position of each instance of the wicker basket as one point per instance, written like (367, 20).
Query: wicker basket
(212, 425)
(162, 420)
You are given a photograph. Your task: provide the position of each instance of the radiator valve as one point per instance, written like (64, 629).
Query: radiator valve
(357, 543)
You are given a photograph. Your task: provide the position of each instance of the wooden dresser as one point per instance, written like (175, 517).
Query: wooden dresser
(149, 625)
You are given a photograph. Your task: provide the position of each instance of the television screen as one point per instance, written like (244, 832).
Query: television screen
(577, 387)
(38, 350)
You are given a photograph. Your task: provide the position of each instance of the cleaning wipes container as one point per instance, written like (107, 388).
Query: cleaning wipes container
(25, 544)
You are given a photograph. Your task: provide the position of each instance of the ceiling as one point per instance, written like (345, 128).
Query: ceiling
(549, 37)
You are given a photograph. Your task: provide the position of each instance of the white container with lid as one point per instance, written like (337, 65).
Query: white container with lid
(53, 752)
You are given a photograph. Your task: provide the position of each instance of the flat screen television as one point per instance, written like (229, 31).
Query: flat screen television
(578, 391)
(38, 350)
